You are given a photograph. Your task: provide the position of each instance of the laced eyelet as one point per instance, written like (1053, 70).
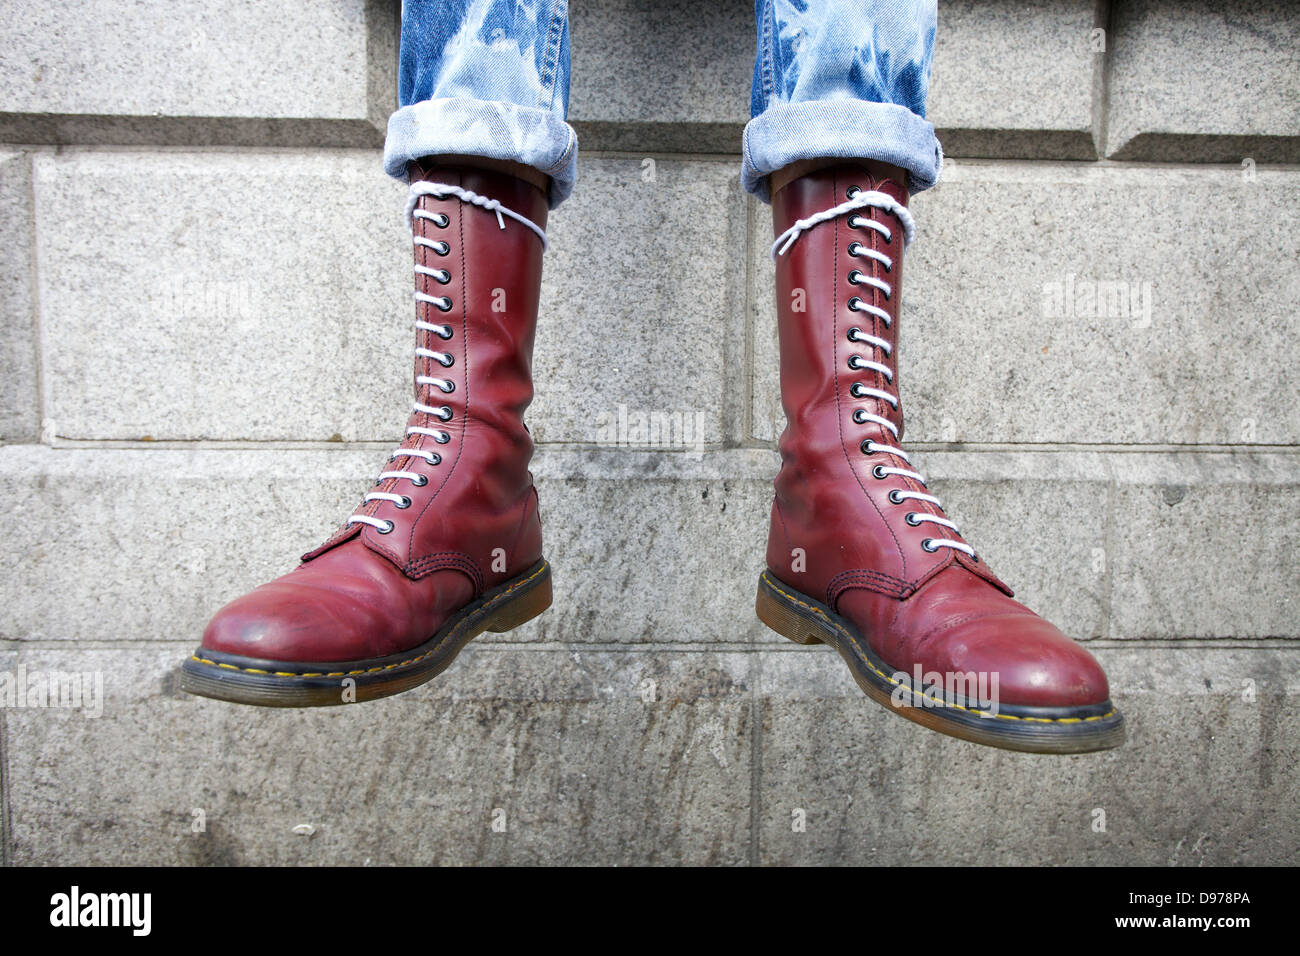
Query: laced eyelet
(855, 249)
(894, 498)
(878, 472)
(858, 390)
(437, 460)
(852, 191)
(855, 362)
(852, 332)
(387, 528)
(449, 334)
(855, 277)
(853, 304)
(445, 305)
(448, 387)
(441, 220)
(927, 544)
(442, 439)
(451, 360)
(442, 248)
(912, 519)
(404, 503)
(421, 481)
(443, 276)
(859, 417)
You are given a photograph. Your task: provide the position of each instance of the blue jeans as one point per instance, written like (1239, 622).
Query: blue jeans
(832, 78)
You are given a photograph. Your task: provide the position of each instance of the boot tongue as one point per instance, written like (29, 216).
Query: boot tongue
(877, 177)
(883, 178)
(981, 570)
(890, 187)
(415, 171)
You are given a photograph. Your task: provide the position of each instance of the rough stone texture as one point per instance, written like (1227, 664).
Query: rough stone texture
(649, 757)
(987, 356)
(1010, 78)
(647, 547)
(1201, 81)
(8, 660)
(1016, 79)
(224, 296)
(191, 72)
(1188, 548)
(661, 76)
(629, 318)
(153, 542)
(1137, 483)
(594, 757)
(1208, 775)
(274, 302)
(19, 407)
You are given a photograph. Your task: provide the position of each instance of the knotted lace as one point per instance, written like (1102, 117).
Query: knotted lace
(442, 303)
(857, 200)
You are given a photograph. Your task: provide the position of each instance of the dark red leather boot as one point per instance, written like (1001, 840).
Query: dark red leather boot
(860, 554)
(448, 542)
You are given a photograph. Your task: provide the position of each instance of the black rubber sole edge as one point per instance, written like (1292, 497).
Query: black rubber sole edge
(268, 683)
(1028, 729)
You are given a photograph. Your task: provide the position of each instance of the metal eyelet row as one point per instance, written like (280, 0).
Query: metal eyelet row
(445, 359)
(879, 471)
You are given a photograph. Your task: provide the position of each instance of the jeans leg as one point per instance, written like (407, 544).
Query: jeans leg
(842, 78)
(485, 78)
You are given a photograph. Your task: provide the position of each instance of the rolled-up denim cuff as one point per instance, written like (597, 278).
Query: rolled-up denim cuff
(498, 130)
(854, 129)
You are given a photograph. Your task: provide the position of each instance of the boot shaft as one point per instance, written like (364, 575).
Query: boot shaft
(478, 283)
(838, 275)
(457, 493)
(850, 510)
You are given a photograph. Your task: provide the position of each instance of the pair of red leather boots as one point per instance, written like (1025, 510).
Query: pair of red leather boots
(448, 542)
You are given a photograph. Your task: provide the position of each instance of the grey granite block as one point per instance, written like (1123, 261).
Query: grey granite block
(1009, 79)
(1203, 81)
(129, 545)
(622, 756)
(1207, 777)
(266, 297)
(1017, 80)
(228, 72)
(1201, 546)
(19, 402)
(514, 756)
(661, 76)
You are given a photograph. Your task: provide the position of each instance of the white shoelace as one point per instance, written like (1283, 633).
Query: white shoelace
(859, 200)
(861, 416)
(445, 359)
(443, 190)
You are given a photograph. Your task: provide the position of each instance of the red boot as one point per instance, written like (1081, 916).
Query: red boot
(448, 542)
(860, 555)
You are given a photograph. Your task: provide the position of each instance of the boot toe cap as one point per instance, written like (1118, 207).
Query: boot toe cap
(1034, 664)
(274, 623)
(346, 605)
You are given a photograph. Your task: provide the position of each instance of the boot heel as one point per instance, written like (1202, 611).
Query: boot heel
(783, 618)
(521, 609)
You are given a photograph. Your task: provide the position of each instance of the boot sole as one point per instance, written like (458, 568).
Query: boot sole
(268, 683)
(1045, 730)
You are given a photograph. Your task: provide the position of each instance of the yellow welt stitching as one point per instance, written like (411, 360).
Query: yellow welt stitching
(897, 683)
(414, 660)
